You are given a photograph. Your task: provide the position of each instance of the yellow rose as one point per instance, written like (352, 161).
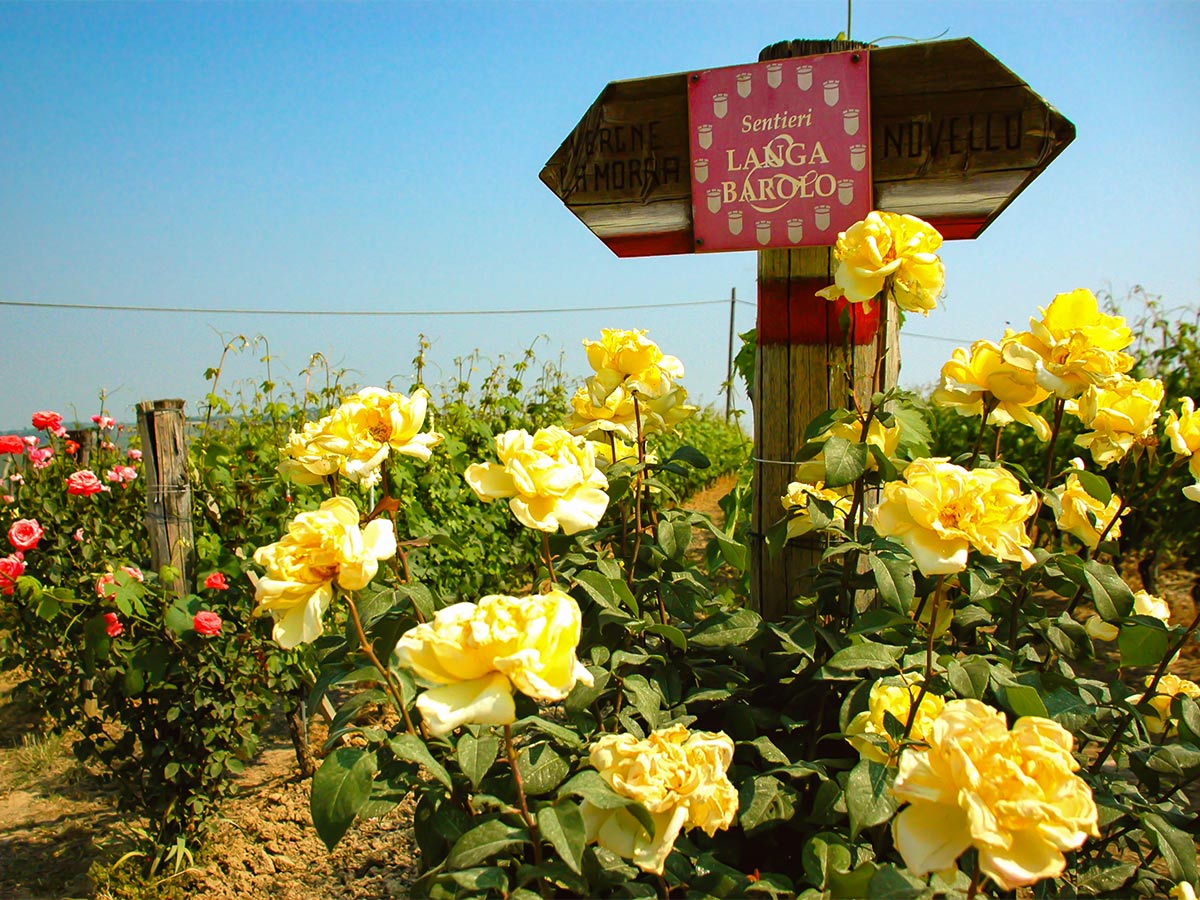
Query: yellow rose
(1183, 891)
(795, 502)
(1083, 515)
(1146, 604)
(941, 510)
(322, 546)
(475, 655)
(1158, 721)
(1097, 628)
(593, 410)
(677, 775)
(1073, 345)
(889, 248)
(1121, 414)
(549, 478)
(884, 437)
(1192, 492)
(895, 696)
(1183, 431)
(304, 462)
(1013, 795)
(357, 437)
(631, 358)
(982, 377)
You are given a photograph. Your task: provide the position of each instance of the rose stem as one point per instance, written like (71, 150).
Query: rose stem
(933, 611)
(389, 681)
(520, 783)
(548, 557)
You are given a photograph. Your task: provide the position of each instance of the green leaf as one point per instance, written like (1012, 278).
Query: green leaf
(1096, 485)
(339, 789)
(412, 748)
(1023, 700)
(562, 825)
(869, 797)
(541, 769)
(970, 677)
(867, 655)
(488, 880)
(762, 801)
(483, 842)
(895, 884)
(825, 854)
(1143, 641)
(1103, 876)
(691, 456)
(1110, 593)
(894, 579)
(723, 629)
(674, 538)
(48, 607)
(845, 462)
(670, 633)
(476, 754)
(1177, 848)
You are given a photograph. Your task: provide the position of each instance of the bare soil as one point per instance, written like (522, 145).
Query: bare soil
(61, 834)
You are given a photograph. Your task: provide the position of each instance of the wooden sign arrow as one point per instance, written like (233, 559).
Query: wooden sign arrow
(955, 137)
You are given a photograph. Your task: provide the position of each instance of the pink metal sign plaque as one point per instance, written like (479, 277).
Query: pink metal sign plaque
(780, 152)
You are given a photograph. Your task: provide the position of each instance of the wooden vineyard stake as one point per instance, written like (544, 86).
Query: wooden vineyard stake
(161, 424)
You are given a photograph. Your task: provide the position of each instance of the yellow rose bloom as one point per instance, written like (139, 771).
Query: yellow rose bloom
(357, 437)
(631, 358)
(1013, 795)
(475, 655)
(1146, 604)
(895, 696)
(593, 410)
(1121, 414)
(1183, 431)
(322, 546)
(884, 437)
(1083, 515)
(971, 380)
(1073, 345)
(304, 462)
(1183, 891)
(1192, 492)
(941, 510)
(677, 775)
(1158, 720)
(549, 478)
(795, 503)
(889, 248)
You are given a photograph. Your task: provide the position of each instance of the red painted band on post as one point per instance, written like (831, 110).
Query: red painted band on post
(789, 312)
(660, 244)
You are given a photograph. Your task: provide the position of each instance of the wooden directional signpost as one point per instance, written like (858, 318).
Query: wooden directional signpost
(781, 155)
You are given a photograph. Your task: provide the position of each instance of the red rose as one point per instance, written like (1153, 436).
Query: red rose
(11, 568)
(47, 420)
(11, 443)
(113, 627)
(84, 483)
(207, 623)
(216, 581)
(71, 446)
(25, 534)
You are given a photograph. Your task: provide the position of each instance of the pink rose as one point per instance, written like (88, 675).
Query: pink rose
(121, 474)
(104, 421)
(134, 454)
(16, 478)
(108, 578)
(78, 535)
(207, 623)
(9, 498)
(59, 432)
(40, 456)
(45, 420)
(32, 440)
(216, 582)
(113, 627)
(25, 534)
(11, 443)
(12, 567)
(84, 483)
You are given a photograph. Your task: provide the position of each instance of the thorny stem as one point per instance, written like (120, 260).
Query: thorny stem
(1152, 687)
(1059, 406)
(389, 680)
(973, 890)
(520, 785)
(637, 492)
(548, 557)
(933, 611)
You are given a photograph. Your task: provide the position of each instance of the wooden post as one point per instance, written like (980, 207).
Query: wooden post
(84, 437)
(161, 424)
(805, 365)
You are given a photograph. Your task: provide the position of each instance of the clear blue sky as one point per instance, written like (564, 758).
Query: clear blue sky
(386, 157)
